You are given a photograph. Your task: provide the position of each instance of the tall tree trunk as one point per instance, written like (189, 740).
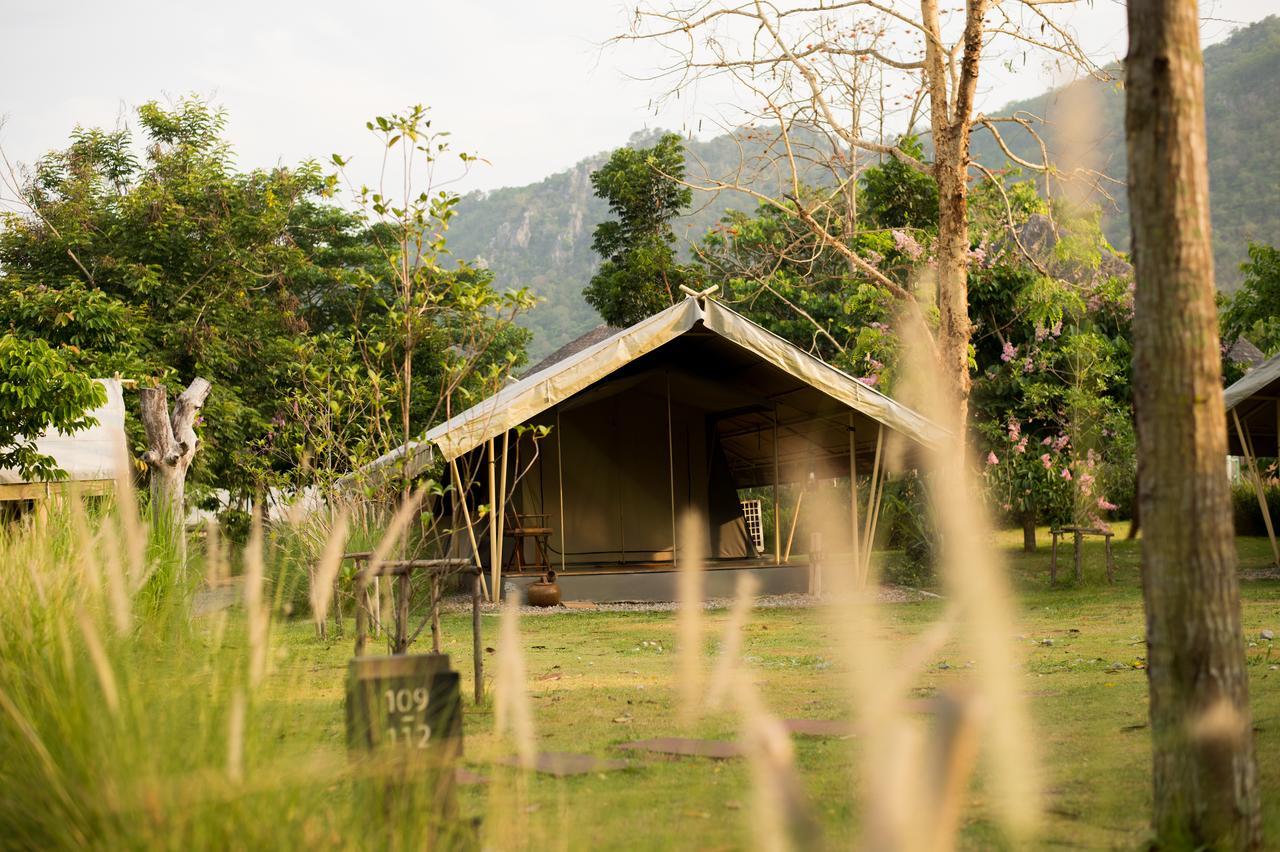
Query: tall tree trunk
(950, 111)
(1204, 774)
(1028, 532)
(171, 445)
(952, 260)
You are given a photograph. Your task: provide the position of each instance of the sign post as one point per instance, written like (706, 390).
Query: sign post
(404, 716)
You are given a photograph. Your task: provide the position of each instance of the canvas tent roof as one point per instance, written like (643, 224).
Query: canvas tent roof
(1256, 400)
(716, 352)
(91, 454)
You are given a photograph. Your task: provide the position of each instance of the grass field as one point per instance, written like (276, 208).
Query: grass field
(597, 679)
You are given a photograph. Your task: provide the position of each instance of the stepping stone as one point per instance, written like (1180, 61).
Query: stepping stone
(717, 749)
(819, 727)
(562, 764)
(467, 778)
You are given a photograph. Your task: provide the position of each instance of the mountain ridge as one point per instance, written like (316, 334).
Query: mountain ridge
(539, 235)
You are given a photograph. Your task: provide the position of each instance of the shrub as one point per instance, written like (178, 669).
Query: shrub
(1247, 512)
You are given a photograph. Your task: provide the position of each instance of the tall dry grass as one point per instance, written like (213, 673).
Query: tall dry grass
(127, 721)
(915, 771)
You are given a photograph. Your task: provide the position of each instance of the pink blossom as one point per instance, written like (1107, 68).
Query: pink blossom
(1028, 365)
(1021, 446)
(1046, 461)
(992, 459)
(907, 244)
(1106, 505)
(1047, 441)
(1009, 353)
(1066, 474)
(1041, 333)
(869, 381)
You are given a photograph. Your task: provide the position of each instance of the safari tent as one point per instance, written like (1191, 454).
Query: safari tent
(1253, 428)
(596, 456)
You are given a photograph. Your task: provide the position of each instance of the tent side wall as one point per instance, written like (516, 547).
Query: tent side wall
(621, 468)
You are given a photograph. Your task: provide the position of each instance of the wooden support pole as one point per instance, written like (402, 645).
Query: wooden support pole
(495, 546)
(873, 506)
(1079, 546)
(1053, 559)
(1246, 446)
(816, 562)
(564, 526)
(501, 518)
(402, 614)
(777, 504)
(854, 560)
(435, 613)
(477, 645)
(466, 515)
(791, 534)
(671, 468)
(362, 610)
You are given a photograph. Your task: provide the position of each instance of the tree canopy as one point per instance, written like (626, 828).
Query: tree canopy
(640, 275)
(150, 253)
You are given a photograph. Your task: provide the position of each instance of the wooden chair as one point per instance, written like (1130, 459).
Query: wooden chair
(521, 527)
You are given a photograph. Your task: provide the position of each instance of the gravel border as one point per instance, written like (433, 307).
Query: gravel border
(887, 594)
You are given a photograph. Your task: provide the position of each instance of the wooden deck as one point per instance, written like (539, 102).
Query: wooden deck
(656, 581)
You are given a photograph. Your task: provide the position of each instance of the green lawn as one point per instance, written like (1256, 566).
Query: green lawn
(594, 683)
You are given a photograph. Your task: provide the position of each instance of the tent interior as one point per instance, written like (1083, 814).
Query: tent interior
(1255, 400)
(683, 427)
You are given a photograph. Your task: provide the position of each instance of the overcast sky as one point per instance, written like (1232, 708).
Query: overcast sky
(527, 85)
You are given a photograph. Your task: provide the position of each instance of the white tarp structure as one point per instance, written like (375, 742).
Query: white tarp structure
(1253, 428)
(90, 455)
(1255, 399)
(605, 448)
(521, 401)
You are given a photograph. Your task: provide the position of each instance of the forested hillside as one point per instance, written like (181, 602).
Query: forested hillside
(1241, 73)
(539, 235)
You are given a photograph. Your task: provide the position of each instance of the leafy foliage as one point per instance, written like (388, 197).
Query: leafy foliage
(1254, 311)
(39, 390)
(639, 275)
(175, 263)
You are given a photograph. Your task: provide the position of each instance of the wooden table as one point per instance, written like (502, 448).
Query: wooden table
(1078, 533)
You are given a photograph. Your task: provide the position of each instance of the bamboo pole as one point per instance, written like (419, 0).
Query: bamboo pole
(564, 527)
(501, 518)
(854, 560)
(872, 486)
(1246, 446)
(791, 534)
(494, 544)
(471, 530)
(777, 505)
(671, 468)
(477, 645)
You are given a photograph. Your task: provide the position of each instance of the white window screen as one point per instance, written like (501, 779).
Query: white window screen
(755, 528)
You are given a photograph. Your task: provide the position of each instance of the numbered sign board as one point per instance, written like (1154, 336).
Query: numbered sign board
(406, 705)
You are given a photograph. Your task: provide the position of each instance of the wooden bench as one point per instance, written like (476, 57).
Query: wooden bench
(1078, 533)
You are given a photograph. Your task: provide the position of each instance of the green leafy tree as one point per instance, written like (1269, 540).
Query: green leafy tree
(175, 263)
(640, 274)
(1254, 311)
(39, 390)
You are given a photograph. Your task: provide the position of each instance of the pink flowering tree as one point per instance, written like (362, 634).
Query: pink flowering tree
(1052, 355)
(1028, 478)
